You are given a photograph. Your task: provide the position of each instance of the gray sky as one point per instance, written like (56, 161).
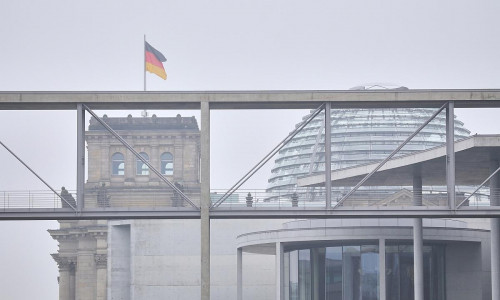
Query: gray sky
(217, 45)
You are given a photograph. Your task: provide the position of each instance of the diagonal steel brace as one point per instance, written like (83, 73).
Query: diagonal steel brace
(266, 158)
(34, 173)
(382, 163)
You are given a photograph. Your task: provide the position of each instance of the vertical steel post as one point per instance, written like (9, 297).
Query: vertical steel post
(328, 154)
(381, 262)
(205, 200)
(450, 153)
(418, 239)
(239, 274)
(495, 233)
(279, 267)
(80, 156)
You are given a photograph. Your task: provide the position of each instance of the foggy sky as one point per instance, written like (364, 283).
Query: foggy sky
(217, 45)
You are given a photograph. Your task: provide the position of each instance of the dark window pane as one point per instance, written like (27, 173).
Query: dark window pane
(333, 273)
(305, 274)
(352, 272)
(117, 164)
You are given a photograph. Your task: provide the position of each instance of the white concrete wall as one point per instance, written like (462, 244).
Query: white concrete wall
(463, 271)
(165, 260)
(119, 262)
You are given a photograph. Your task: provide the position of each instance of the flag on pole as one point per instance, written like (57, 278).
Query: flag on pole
(154, 59)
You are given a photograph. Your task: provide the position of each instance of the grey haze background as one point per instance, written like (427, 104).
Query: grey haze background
(216, 45)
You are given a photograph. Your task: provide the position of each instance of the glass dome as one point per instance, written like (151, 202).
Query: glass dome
(358, 136)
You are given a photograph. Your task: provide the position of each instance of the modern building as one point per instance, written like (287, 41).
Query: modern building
(371, 259)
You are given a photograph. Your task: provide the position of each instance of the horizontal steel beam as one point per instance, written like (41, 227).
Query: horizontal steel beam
(250, 99)
(252, 213)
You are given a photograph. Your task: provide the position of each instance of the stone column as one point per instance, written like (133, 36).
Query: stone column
(86, 270)
(154, 160)
(178, 159)
(130, 165)
(101, 263)
(65, 280)
(105, 162)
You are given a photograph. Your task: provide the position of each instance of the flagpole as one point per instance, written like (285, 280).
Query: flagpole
(144, 49)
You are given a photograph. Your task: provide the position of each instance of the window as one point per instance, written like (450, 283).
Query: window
(142, 168)
(167, 163)
(117, 164)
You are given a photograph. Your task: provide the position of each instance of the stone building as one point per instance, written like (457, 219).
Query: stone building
(116, 178)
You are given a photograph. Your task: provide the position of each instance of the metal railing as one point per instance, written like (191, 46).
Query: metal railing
(30, 199)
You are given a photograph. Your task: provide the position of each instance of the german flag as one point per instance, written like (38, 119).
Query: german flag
(154, 60)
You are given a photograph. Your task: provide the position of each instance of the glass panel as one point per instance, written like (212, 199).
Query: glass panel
(294, 275)
(406, 272)
(437, 273)
(369, 272)
(392, 272)
(318, 270)
(351, 275)
(333, 273)
(305, 274)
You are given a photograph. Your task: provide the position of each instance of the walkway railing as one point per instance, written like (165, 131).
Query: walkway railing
(30, 199)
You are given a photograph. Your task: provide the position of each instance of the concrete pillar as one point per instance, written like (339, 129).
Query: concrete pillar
(279, 272)
(495, 233)
(381, 263)
(418, 259)
(205, 200)
(239, 274)
(418, 241)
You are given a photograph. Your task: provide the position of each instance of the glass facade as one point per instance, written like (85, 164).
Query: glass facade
(351, 272)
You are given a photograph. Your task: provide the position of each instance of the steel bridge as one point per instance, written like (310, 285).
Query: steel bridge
(442, 100)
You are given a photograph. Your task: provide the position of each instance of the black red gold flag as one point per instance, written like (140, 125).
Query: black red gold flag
(154, 59)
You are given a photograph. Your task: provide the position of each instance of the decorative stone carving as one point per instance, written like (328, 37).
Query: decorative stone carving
(101, 261)
(64, 263)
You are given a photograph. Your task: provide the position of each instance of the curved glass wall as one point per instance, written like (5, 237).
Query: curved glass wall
(351, 272)
(359, 136)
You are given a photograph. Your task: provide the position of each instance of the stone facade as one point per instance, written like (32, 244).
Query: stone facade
(171, 145)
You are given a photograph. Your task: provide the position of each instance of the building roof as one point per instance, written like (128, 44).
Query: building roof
(472, 166)
(146, 123)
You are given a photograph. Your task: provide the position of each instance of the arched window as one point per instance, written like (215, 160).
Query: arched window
(167, 163)
(142, 168)
(117, 164)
